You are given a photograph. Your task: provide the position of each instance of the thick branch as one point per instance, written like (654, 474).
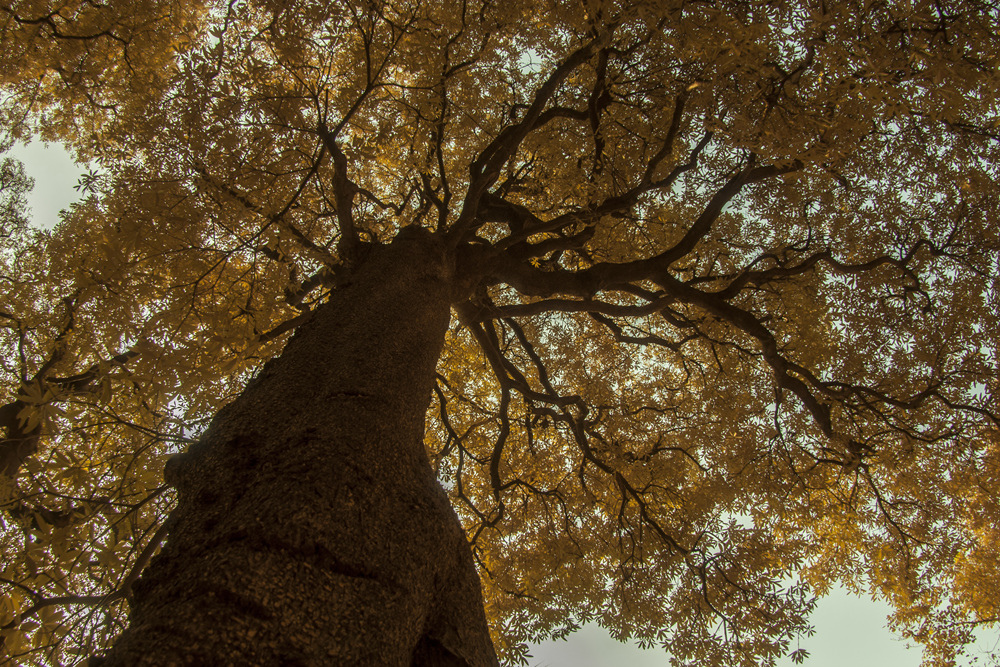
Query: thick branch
(578, 306)
(344, 191)
(703, 224)
(485, 169)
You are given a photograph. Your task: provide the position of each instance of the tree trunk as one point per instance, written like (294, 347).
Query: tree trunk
(309, 528)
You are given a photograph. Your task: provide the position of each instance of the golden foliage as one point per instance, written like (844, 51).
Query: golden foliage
(729, 324)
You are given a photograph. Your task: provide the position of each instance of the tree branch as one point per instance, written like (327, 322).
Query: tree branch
(485, 169)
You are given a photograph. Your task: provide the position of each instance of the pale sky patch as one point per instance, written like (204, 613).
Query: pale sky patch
(849, 631)
(55, 174)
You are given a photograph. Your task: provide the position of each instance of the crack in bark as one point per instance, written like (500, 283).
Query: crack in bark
(349, 393)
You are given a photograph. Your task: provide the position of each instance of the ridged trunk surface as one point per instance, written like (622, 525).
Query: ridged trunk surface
(310, 529)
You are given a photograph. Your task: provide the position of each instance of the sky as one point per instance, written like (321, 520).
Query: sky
(849, 630)
(55, 174)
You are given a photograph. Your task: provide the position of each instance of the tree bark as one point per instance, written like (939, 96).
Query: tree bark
(309, 527)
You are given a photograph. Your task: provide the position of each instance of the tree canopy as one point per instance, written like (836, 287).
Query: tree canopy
(729, 330)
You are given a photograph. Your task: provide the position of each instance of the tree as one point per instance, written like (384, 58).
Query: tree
(689, 310)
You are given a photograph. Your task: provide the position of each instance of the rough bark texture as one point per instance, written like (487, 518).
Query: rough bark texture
(310, 529)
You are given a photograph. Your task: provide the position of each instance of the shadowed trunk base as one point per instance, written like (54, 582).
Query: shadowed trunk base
(310, 529)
